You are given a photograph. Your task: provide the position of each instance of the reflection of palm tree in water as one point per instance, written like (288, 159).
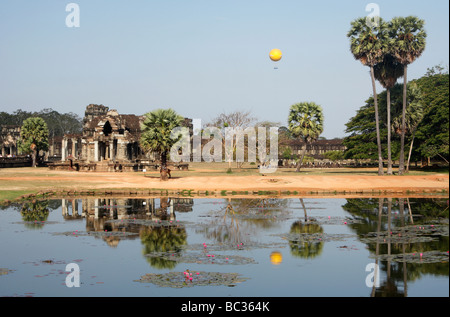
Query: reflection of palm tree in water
(388, 287)
(308, 246)
(162, 239)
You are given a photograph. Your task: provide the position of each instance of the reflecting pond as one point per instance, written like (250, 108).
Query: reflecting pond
(211, 247)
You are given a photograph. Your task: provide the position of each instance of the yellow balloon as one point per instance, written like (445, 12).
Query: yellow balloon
(276, 258)
(275, 54)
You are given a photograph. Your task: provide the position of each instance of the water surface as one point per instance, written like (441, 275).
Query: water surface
(240, 247)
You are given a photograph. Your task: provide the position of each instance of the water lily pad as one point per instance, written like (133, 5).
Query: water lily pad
(198, 278)
(311, 237)
(248, 245)
(408, 234)
(4, 271)
(424, 257)
(96, 233)
(148, 222)
(202, 258)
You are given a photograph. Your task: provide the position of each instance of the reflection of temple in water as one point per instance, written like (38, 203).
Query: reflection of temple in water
(97, 212)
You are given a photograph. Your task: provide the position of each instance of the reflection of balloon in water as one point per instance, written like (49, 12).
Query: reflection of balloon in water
(275, 55)
(276, 257)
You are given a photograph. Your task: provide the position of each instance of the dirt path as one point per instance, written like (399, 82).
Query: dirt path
(299, 183)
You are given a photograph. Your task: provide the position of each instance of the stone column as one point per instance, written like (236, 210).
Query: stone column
(63, 149)
(96, 202)
(120, 150)
(96, 151)
(172, 214)
(86, 150)
(111, 151)
(73, 148)
(63, 207)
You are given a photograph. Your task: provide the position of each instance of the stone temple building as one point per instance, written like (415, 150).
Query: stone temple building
(109, 142)
(9, 135)
(107, 135)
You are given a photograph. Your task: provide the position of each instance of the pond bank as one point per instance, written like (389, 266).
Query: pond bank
(23, 182)
(63, 184)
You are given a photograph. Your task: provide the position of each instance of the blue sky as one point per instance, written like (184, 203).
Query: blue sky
(199, 57)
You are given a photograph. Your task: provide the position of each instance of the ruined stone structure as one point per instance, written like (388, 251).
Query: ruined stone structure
(107, 137)
(109, 142)
(316, 149)
(9, 136)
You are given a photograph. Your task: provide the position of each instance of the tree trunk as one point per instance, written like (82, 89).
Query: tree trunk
(33, 157)
(304, 209)
(388, 97)
(299, 164)
(163, 170)
(375, 99)
(409, 155)
(401, 166)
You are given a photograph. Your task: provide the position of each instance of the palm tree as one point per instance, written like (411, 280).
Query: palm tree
(369, 44)
(387, 72)
(408, 43)
(306, 122)
(156, 134)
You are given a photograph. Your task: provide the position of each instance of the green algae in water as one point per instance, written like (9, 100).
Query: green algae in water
(195, 278)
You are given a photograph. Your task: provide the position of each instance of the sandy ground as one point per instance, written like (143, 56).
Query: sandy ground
(437, 183)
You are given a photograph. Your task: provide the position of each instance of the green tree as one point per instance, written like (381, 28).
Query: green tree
(157, 134)
(33, 137)
(362, 141)
(305, 122)
(334, 155)
(61, 123)
(408, 42)
(58, 123)
(432, 134)
(413, 117)
(369, 44)
(426, 121)
(387, 72)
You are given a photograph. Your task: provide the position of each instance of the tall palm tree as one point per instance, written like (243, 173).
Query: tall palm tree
(156, 133)
(306, 122)
(409, 41)
(387, 72)
(369, 44)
